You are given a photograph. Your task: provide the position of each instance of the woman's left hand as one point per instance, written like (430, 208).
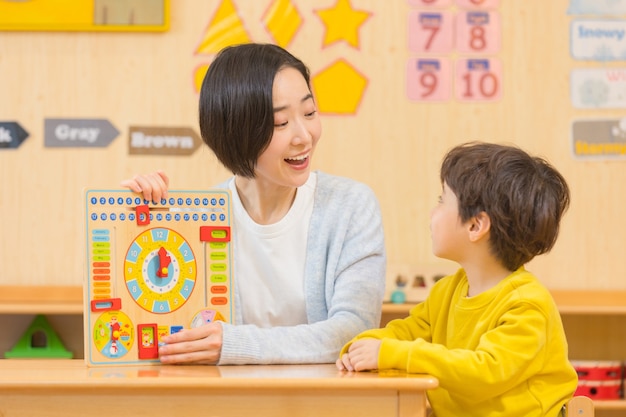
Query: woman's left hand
(200, 345)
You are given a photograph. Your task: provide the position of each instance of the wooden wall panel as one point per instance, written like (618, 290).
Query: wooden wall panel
(391, 143)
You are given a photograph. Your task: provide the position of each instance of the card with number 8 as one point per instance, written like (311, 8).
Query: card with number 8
(478, 32)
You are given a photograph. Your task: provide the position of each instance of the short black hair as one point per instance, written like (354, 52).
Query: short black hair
(236, 112)
(524, 196)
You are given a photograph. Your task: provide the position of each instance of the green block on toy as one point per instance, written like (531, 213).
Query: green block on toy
(39, 341)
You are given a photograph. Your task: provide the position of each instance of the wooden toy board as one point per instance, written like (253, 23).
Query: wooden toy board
(153, 269)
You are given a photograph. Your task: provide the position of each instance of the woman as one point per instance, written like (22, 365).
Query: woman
(309, 256)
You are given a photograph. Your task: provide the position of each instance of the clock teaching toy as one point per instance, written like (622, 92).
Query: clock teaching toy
(153, 269)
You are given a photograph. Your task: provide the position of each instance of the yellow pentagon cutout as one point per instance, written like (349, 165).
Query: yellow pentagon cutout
(339, 88)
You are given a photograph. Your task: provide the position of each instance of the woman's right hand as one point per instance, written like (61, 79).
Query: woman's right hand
(153, 186)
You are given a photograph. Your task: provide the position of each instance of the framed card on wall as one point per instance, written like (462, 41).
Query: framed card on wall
(85, 15)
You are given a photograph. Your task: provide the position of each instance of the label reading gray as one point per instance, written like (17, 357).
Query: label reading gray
(79, 133)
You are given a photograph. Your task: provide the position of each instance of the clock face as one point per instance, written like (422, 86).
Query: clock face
(160, 270)
(113, 334)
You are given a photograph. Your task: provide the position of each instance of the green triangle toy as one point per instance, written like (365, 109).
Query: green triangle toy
(39, 341)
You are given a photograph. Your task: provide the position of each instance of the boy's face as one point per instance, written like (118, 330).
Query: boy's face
(446, 230)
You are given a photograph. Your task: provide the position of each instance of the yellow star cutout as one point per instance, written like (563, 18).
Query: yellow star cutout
(342, 23)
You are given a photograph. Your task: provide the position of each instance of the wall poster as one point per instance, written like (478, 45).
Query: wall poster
(85, 15)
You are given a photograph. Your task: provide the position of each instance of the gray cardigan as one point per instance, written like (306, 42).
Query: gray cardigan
(344, 283)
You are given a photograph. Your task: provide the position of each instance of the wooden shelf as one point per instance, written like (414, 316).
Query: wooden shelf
(41, 300)
(590, 301)
(69, 300)
(609, 404)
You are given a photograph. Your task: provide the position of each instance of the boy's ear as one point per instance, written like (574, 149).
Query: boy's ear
(479, 226)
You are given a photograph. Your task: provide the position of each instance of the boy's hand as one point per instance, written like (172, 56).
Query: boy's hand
(362, 356)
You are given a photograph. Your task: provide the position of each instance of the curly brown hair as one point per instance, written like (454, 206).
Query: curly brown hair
(524, 196)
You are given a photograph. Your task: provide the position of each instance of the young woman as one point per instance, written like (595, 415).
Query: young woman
(309, 256)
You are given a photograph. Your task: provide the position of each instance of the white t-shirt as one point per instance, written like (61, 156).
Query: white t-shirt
(269, 261)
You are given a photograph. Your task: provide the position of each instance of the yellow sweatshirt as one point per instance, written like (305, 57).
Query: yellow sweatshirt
(500, 353)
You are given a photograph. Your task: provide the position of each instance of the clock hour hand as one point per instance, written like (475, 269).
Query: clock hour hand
(164, 263)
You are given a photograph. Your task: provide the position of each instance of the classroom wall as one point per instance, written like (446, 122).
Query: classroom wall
(390, 142)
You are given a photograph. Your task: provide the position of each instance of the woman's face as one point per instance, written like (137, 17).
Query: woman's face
(297, 128)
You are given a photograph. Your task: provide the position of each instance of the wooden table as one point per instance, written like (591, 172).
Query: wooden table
(67, 388)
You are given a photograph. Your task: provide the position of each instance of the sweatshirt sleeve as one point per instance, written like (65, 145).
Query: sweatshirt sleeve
(505, 355)
(344, 284)
(416, 326)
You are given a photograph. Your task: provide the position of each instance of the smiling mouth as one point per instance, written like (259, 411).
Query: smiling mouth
(300, 160)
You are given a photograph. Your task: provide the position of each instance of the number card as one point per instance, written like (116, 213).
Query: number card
(430, 3)
(429, 79)
(478, 4)
(599, 88)
(478, 32)
(431, 32)
(598, 40)
(153, 268)
(478, 79)
(595, 7)
(599, 139)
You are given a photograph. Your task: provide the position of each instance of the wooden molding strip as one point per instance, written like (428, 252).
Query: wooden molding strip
(37, 294)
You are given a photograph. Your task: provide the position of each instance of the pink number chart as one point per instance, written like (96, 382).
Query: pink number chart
(440, 29)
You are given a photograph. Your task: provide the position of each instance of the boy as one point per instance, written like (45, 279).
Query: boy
(491, 333)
